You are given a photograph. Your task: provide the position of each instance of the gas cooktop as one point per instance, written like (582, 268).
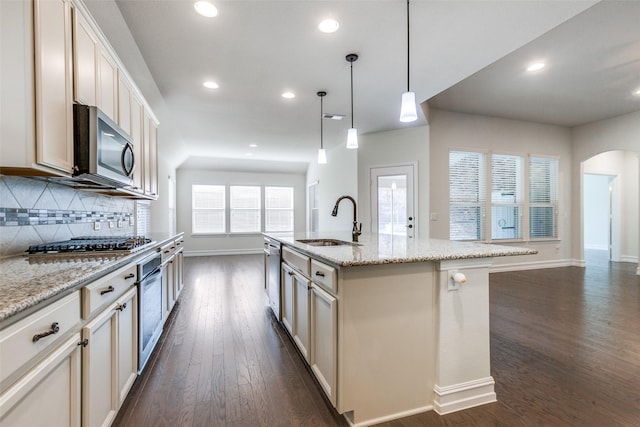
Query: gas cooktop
(86, 244)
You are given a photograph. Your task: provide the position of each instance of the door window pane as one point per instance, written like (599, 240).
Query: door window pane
(392, 205)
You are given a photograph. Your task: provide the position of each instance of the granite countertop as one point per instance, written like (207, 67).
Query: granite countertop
(29, 282)
(383, 249)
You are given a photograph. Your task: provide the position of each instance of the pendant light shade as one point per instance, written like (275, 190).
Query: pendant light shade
(322, 153)
(352, 133)
(408, 106)
(408, 109)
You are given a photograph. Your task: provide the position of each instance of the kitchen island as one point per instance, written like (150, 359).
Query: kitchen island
(384, 326)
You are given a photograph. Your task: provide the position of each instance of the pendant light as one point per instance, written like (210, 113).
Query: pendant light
(408, 108)
(322, 153)
(352, 133)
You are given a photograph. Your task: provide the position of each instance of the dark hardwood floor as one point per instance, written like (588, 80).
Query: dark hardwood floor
(565, 345)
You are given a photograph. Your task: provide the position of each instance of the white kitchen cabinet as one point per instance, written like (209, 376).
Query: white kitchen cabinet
(150, 156)
(86, 53)
(137, 140)
(301, 298)
(324, 339)
(179, 272)
(49, 395)
(99, 369)
(286, 309)
(53, 84)
(127, 342)
(108, 85)
(109, 360)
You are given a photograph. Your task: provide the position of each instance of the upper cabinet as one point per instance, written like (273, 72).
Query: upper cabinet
(59, 56)
(53, 85)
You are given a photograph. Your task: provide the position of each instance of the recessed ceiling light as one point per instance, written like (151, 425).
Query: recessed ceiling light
(288, 95)
(210, 84)
(253, 145)
(205, 8)
(637, 92)
(248, 154)
(536, 66)
(329, 26)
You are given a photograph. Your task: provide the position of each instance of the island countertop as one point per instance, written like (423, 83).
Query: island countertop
(373, 249)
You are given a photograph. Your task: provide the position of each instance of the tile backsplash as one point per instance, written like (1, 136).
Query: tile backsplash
(34, 212)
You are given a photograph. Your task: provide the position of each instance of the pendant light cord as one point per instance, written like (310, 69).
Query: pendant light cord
(321, 111)
(408, 46)
(352, 94)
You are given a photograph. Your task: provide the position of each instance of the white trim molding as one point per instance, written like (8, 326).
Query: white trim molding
(387, 418)
(534, 265)
(215, 252)
(463, 395)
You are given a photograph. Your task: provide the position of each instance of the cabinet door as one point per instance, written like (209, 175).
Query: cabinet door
(179, 277)
(287, 298)
(324, 336)
(54, 97)
(99, 360)
(168, 297)
(301, 314)
(150, 149)
(86, 52)
(49, 394)
(136, 138)
(108, 85)
(127, 306)
(124, 104)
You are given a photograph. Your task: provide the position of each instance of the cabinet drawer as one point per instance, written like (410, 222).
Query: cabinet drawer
(299, 262)
(17, 345)
(107, 289)
(325, 276)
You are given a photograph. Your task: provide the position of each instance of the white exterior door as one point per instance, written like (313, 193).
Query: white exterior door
(393, 200)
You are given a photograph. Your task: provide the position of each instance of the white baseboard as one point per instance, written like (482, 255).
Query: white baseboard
(534, 265)
(386, 418)
(461, 396)
(629, 258)
(215, 252)
(638, 271)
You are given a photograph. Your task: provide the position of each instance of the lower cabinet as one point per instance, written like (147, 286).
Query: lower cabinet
(49, 394)
(324, 332)
(108, 370)
(310, 315)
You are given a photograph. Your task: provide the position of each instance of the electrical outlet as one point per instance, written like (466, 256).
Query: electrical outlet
(434, 216)
(111, 224)
(96, 225)
(119, 223)
(131, 221)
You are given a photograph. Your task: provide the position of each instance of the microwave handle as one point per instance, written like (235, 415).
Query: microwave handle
(128, 148)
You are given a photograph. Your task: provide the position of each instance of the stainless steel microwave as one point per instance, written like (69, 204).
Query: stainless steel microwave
(103, 152)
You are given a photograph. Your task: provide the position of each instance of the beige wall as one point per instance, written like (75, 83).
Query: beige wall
(618, 133)
(228, 244)
(459, 131)
(392, 148)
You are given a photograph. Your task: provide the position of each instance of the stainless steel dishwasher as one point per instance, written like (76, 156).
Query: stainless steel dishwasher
(272, 251)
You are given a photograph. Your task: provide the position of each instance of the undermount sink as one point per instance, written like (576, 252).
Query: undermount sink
(326, 242)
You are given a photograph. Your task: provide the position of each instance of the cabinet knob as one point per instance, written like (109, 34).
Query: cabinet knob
(55, 328)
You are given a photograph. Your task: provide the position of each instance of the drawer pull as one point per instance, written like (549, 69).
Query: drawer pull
(167, 251)
(55, 328)
(319, 274)
(84, 342)
(122, 306)
(129, 276)
(107, 290)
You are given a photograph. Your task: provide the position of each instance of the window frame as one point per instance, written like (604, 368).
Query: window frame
(292, 209)
(194, 210)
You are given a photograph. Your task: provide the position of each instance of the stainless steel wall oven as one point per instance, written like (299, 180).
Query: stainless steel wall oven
(150, 306)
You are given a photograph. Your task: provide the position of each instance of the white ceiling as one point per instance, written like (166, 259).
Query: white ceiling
(592, 69)
(257, 49)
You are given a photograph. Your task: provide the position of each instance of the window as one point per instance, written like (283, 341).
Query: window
(237, 209)
(511, 208)
(543, 197)
(506, 196)
(244, 209)
(208, 207)
(467, 195)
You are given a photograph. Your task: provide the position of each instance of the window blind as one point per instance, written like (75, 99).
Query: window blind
(278, 211)
(208, 208)
(467, 195)
(543, 197)
(244, 209)
(506, 196)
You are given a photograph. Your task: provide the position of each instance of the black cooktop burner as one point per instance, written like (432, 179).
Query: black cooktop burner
(91, 244)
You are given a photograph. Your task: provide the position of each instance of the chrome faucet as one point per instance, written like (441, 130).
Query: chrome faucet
(357, 230)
